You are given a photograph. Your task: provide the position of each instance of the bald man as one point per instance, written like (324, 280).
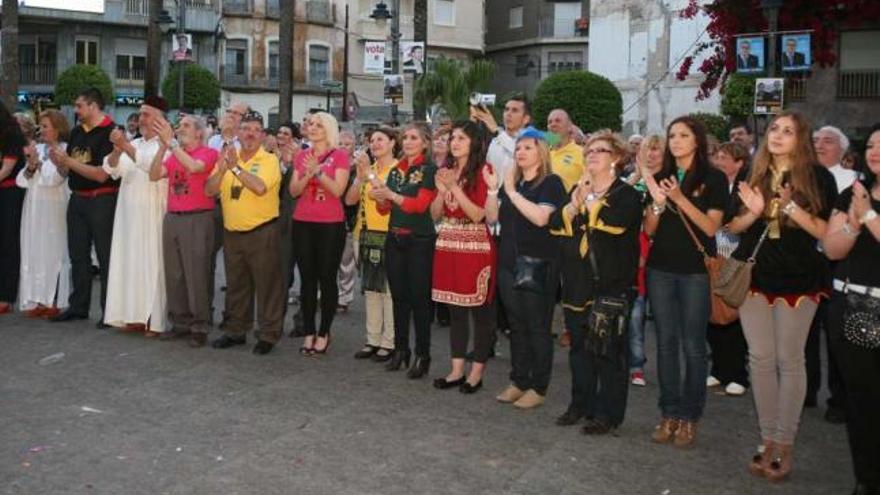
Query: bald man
(566, 158)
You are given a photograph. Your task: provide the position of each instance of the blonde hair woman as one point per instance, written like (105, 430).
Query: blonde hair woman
(321, 176)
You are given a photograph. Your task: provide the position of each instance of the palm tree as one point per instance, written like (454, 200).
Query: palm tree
(9, 62)
(450, 84)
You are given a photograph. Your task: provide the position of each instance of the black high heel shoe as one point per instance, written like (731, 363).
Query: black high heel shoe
(307, 350)
(419, 368)
(321, 352)
(398, 358)
(443, 383)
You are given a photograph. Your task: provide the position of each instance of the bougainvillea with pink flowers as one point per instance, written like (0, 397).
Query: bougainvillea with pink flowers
(728, 18)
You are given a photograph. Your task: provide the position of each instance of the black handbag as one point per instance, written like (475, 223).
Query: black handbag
(608, 316)
(861, 320)
(530, 274)
(372, 260)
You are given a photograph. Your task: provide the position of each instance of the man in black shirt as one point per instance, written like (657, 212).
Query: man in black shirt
(93, 202)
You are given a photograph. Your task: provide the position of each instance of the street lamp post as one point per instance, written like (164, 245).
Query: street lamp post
(381, 14)
(181, 19)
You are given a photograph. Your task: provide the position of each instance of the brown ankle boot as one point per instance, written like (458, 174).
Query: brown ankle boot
(686, 434)
(665, 431)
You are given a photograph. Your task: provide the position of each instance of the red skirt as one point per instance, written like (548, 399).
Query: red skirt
(464, 264)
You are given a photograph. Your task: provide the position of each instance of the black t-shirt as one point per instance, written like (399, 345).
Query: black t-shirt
(519, 235)
(793, 263)
(90, 147)
(411, 181)
(13, 148)
(617, 255)
(673, 249)
(862, 265)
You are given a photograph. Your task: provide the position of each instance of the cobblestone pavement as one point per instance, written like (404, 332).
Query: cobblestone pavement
(120, 414)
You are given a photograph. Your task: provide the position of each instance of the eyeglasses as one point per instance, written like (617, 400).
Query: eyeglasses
(597, 151)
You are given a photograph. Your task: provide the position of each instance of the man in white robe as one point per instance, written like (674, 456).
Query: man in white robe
(136, 299)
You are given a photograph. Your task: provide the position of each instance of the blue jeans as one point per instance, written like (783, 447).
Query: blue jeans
(680, 303)
(637, 357)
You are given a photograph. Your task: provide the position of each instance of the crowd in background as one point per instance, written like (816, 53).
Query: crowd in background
(487, 227)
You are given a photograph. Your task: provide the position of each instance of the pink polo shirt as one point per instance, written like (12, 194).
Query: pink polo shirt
(315, 204)
(186, 191)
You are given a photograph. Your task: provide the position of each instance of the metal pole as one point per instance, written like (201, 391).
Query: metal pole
(395, 47)
(328, 100)
(181, 19)
(345, 71)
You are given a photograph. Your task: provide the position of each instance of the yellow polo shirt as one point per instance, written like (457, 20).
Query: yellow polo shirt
(375, 220)
(568, 163)
(249, 210)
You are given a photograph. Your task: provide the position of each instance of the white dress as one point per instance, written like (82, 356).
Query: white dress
(45, 266)
(136, 280)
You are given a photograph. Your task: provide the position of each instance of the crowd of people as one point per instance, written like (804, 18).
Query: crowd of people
(488, 226)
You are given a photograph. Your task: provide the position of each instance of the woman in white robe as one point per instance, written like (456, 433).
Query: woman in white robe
(45, 267)
(136, 281)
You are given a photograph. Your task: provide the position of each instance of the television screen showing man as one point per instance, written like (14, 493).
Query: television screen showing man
(181, 47)
(796, 52)
(750, 54)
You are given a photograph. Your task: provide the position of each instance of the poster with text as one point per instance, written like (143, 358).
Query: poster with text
(393, 89)
(796, 54)
(769, 95)
(374, 57)
(412, 54)
(750, 54)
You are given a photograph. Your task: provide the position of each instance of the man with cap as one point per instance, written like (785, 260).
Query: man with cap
(188, 228)
(92, 205)
(136, 283)
(247, 182)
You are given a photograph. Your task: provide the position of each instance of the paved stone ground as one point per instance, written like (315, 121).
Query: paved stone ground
(123, 415)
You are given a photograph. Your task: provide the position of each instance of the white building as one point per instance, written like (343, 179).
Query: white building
(639, 46)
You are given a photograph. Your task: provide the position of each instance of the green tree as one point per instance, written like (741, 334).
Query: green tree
(738, 97)
(716, 125)
(79, 77)
(592, 101)
(450, 84)
(201, 89)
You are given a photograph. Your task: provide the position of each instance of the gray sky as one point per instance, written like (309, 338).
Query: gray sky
(80, 5)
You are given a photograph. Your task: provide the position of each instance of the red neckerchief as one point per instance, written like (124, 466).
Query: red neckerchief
(404, 163)
(106, 122)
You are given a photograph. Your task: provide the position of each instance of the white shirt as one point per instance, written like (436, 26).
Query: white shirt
(216, 142)
(500, 154)
(844, 177)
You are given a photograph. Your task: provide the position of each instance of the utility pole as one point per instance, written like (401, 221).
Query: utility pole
(181, 76)
(395, 47)
(154, 49)
(9, 71)
(345, 72)
(285, 60)
(420, 33)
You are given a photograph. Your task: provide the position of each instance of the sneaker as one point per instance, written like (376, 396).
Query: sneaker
(529, 400)
(510, 395)
(712, 382)
(734, 389)
(637, 378)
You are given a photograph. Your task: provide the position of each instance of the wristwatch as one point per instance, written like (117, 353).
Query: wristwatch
(318, 174)
(657, 210)
(789, 208)
(236, 170)
(868, 216)
(173, 144)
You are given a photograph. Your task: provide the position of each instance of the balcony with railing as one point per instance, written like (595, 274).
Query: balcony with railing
(130, 76)
(42, 73)
(795, 88)
(858, 84)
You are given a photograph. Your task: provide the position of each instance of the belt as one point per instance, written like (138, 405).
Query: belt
(841, 286)
(7, 183)
(190, 212)
(94, 193)
(400, 231)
